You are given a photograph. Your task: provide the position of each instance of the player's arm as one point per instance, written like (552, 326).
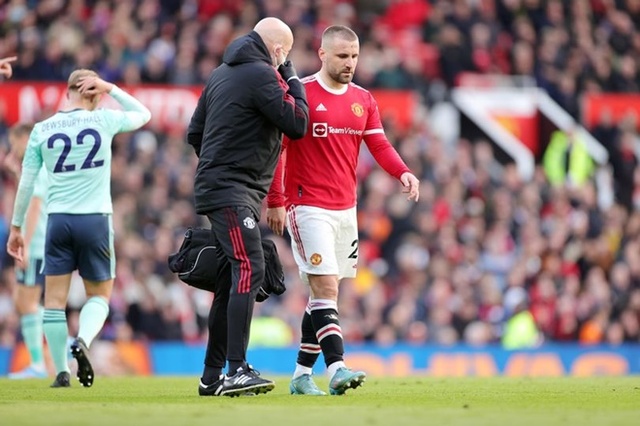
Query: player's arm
(282, 99)
(386, 155)
(30, 168)
(275, 197)
(135, 114)
(34, 212)
(196, 125)
(30, 225)
(389, 159)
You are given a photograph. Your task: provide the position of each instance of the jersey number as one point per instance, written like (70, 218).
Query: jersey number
(88, 163)
(354, 253)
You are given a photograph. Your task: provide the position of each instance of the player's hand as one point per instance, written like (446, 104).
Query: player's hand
(15, 245)
(91, 85)
(275, 219)
(287, 70)
(411, 186)
(24, 263)
(13, 165)
(5, 66)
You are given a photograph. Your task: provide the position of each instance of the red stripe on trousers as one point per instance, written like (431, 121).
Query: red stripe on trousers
(240, 252)
(231, 223)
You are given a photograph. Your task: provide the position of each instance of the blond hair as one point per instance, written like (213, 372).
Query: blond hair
(74, 81)
(74, 78)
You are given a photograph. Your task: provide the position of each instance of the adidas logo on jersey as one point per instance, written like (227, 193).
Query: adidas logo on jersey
(321, 108)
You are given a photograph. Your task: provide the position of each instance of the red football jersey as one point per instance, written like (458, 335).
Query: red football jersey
(320, 169)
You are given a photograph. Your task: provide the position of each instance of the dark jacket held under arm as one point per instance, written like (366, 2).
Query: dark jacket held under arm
(236, 129)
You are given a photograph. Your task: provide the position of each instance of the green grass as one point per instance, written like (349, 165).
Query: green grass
(381, 401)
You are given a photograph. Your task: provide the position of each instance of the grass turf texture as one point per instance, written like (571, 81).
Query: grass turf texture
(158, 401)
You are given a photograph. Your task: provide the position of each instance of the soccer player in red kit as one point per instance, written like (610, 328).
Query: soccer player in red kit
(320, 199)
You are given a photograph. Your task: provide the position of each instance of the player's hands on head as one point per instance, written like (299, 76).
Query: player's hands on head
(5, 66)
(91, 85)
(275, 219)
(287, 70)
(411, 186)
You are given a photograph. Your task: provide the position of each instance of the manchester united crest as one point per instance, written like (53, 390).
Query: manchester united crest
(315, 259)
(249, 223)
(357, 109)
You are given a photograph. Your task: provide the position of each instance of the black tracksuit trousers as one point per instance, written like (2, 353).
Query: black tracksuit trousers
(238, 236)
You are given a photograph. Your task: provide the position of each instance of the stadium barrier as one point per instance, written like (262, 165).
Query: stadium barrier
(620, 106)
(137, 358)
(170, 106)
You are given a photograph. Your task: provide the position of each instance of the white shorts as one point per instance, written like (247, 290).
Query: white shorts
(324, 242)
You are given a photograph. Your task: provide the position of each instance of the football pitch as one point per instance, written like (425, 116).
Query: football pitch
(494, 401)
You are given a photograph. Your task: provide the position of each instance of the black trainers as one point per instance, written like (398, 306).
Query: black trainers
(80, 352)
(62, 380)
(213, 389)
(246, 381)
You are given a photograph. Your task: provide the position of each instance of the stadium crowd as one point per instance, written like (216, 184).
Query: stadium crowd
(445, 270)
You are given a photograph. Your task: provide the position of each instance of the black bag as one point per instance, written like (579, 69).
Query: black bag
(196, 261)
(201, 264)
(273, 272)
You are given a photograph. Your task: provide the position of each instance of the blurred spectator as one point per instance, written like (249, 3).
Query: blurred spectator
(566, 159)
(520, 330)
(621, 144)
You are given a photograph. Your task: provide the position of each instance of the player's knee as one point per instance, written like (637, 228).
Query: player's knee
(55, 300)
(28, 299)
(26, 306)
(324, 286)
(98, 288)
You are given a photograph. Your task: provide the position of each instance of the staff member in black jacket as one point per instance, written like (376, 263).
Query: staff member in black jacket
(236, 130)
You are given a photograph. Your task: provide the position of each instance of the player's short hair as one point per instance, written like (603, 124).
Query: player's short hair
(76, 75)
(21, 129)
(340, 31)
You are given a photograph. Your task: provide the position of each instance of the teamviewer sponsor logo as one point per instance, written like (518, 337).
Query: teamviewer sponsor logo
(344, 131)
(319, 130)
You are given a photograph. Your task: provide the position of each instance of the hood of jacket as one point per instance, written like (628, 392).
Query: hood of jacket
(245, 49)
